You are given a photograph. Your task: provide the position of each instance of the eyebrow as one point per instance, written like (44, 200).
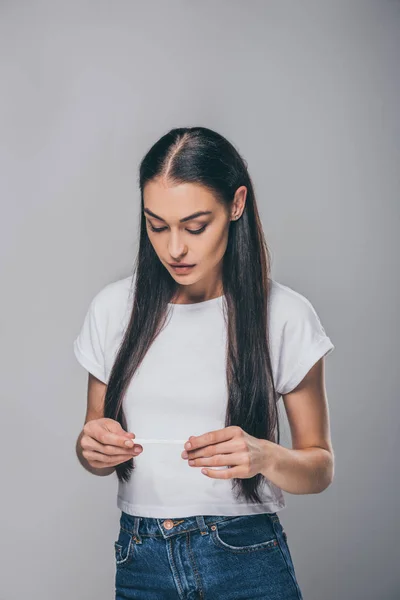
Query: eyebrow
(193, 216)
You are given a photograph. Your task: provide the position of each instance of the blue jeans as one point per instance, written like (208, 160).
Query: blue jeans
(204, 558)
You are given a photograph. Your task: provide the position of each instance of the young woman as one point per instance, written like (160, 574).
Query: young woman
(198, 345)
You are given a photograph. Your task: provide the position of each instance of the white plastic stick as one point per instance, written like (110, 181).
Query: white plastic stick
(155, 441)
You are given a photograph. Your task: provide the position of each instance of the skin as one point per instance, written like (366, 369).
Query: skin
(176, 244)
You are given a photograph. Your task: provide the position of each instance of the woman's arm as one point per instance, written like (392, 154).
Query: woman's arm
(96, 392)
(307, 468)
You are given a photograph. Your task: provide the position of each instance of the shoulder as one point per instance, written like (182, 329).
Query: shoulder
(289, 310)
(115, 290)
(297, 336)
(286, 302)
(112, 300)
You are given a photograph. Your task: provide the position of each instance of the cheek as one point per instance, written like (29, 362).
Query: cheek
(217, 246)
(154, 241)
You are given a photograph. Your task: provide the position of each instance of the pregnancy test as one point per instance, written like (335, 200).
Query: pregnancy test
(157, 441)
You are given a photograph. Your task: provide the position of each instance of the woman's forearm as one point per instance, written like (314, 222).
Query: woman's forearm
(304, 471)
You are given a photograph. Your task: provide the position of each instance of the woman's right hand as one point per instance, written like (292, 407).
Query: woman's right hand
(103, 443)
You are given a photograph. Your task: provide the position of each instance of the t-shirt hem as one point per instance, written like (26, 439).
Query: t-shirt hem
(323, 348)
(88, 364)
(165, 512)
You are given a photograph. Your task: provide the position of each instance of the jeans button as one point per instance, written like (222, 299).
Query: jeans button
(168, 524)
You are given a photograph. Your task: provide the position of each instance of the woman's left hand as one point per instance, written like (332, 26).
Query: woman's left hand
(231, 447)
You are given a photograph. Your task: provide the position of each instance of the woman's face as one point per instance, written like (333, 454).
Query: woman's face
(184, 236)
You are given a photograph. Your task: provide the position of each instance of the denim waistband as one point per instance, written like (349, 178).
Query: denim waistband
(165, 528)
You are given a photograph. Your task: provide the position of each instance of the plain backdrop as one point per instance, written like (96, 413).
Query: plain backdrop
(309, 94)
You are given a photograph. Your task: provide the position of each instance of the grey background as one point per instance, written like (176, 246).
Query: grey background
(309, 93)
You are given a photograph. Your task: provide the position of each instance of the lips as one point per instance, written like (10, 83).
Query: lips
(183, 270)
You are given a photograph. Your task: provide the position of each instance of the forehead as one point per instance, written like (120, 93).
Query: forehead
(178, 200)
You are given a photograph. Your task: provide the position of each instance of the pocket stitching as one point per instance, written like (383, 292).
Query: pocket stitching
(118, 552)
(268, 545)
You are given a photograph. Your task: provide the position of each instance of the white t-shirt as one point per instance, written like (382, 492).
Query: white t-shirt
(180, 390)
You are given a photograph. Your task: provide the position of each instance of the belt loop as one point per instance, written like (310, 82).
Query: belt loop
(136, 535)
(202, 525)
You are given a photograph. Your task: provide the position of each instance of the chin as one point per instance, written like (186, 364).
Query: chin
(188, 279)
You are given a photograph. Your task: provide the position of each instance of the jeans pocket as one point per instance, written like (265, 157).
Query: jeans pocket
(281, 533)
(247, 533)
(124, 548)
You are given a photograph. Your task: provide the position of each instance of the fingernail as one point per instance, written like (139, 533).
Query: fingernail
(128, 442)
(184, 454)
(188, 445)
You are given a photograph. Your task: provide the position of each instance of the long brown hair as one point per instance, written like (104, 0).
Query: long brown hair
(202, 156)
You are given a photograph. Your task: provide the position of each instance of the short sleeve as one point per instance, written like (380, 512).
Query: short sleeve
(303, 341)
(89, 345)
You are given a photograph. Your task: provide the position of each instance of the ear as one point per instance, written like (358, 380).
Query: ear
(238, 203)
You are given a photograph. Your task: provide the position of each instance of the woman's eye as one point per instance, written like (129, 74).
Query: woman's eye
(194, 232)
(155, 229)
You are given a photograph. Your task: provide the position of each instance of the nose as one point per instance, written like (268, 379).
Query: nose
(176, 246)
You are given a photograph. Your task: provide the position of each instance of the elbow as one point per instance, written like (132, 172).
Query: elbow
(324, 485)
(327, 473)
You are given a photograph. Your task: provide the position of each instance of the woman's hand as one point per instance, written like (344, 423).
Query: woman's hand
(104, 444)
(243, 454)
